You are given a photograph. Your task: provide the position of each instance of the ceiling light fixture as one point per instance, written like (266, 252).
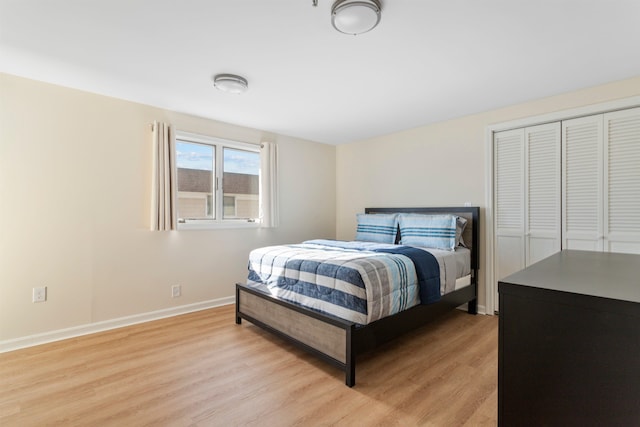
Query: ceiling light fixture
(230, 83)
(355, 16)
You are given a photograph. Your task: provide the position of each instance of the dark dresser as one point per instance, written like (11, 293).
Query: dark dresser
(569, 342)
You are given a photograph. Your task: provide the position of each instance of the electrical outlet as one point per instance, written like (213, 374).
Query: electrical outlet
(467, 204)
(39, 294)
(176, 291)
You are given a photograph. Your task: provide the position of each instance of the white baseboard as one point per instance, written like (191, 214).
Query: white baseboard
(92, 328)
(481, 308)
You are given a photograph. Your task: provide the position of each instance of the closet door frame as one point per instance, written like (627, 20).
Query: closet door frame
(490, 280)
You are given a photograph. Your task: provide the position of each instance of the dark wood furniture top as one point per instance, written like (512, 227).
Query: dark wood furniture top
(584, 273)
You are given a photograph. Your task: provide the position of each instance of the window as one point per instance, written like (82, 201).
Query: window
(218, 181)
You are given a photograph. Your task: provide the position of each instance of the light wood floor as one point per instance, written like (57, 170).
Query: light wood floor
(202, 369)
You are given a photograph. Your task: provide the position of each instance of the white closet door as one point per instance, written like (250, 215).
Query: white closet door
(582, 192)
(509, 202)
(622, 181)
(542, 185)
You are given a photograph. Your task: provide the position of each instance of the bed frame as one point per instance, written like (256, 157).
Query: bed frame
(339, 341)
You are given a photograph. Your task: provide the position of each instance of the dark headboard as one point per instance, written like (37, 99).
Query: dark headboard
(470, 234)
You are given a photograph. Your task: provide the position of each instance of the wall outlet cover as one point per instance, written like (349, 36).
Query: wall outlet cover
(176, 291)
(39, 294)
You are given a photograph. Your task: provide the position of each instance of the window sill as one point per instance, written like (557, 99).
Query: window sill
(217, 225)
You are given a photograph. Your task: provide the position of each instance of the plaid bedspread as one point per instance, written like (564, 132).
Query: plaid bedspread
(356, 281)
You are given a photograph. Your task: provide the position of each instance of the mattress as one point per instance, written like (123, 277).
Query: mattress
(357, 281)
(455, 268)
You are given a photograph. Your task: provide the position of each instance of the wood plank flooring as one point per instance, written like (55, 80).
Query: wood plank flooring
(201, 369)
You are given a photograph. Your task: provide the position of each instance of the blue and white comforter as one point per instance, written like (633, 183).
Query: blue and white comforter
(356, 281)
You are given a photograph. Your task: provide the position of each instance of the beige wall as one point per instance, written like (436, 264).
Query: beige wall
(74, 208)
(442, 164)
(94, 252)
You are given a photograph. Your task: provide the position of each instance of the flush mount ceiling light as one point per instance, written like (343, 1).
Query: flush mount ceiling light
(230, 83)
(355, 16)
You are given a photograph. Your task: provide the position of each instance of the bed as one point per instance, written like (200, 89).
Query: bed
(339, 340)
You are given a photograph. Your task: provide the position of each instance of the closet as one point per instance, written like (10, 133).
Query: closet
(527, 198)
(571, 184)
(601, 182)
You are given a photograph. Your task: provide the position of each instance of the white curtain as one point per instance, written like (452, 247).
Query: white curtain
(269, 215)
(163, 181)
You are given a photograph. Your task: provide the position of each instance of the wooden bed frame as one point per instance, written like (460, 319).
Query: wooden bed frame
(339, 341)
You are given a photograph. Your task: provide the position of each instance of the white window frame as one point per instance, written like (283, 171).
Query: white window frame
(218, 144)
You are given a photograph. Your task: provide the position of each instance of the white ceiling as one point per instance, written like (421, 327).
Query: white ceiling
(426, 62)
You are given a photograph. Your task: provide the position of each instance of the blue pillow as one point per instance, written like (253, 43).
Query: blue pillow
(428, 231)
(379, 228)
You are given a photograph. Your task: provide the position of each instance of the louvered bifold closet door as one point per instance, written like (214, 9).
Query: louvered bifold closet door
(542, 188)
(508, 178)
(622, 181)
(582, 178)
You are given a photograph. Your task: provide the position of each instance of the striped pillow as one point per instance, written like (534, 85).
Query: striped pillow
(428, 231)
(379, 228)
